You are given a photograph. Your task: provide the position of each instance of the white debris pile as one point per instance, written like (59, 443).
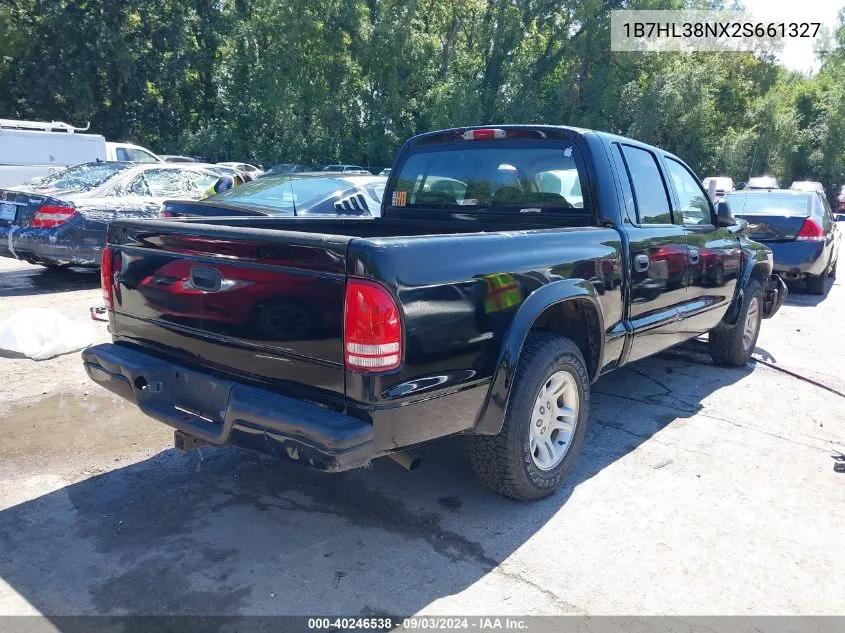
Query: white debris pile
(40, 334)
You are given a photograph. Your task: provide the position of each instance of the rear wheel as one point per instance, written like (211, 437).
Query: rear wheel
(815, 284)
(734, 345)
(545, 424)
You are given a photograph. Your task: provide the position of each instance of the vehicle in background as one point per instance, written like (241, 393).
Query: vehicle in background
(299, 195)
(486, 299)
(807, 185)
(840, 200)
(61, 219)
(32, 149)
(172, 158)
(762, 182)
(245, 168)
(129, 153)
(384, 172)
(799, 228)
(346, 169)
(288, 168)
(724, 184)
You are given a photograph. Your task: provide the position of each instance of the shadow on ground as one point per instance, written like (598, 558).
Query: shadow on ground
(235, 533)
(800, 296)
(36, 281)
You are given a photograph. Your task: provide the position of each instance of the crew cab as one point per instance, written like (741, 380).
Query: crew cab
(510, 268)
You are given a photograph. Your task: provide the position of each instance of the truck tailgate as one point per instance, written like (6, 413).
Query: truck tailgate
(265, 305)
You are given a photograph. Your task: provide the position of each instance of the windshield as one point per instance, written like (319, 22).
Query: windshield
(768, 204)
(281, 195)
(499, 176)
(79, 177)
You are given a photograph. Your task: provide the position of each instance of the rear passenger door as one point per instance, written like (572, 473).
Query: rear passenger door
(657, 252)
(715, 257)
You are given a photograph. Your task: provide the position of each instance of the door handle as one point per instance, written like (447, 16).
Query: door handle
(641, 263)
(693, 255)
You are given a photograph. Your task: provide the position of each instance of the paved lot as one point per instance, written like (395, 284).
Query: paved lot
(700, 491)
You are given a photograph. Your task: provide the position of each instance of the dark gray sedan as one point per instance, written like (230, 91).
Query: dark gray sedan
(798, 226)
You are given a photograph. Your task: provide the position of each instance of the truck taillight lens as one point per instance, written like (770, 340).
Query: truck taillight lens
(372, 328)
(49, 215)
(110, 263)
(811, 231)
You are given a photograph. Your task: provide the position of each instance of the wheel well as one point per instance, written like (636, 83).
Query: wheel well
(760, 272)
(578, 320)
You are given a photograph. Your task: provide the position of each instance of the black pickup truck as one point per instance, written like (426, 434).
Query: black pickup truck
(510, 268)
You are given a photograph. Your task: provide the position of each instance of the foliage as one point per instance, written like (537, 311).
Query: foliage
(348, 80)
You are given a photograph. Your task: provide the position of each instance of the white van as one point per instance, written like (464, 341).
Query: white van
(30, 149)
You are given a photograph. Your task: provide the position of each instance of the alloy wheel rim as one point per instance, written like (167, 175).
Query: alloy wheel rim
(553, 421)
(751, 322)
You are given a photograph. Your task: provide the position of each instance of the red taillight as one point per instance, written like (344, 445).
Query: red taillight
(49, 215)
(484, 135)
(372, 328)
(811, 231)
(109, 268)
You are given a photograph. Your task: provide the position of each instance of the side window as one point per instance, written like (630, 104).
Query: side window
(122, 154)
(694, 205)
(166, 182)
(139, 187)
(827, 213)
(650, 195)
(200, 181)
(627, 192)
(140, 156)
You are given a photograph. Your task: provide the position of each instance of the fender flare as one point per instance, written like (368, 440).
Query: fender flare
(758, 265)
(491, 416)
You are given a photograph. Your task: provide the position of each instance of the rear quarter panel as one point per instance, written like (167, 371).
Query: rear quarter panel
(454, 342)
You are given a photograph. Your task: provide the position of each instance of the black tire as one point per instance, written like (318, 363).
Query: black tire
(504, 462)
(727, 345)
(816, 284)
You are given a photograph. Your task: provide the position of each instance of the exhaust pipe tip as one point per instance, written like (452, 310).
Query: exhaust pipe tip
(406, 459)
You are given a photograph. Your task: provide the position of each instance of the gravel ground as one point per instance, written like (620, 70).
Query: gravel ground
(700, 490)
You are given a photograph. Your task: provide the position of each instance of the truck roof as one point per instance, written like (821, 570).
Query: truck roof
(542, 131)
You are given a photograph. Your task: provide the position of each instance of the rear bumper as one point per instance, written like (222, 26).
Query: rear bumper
(45, 246)
(798, 259)
(220, 411)
(774, 294)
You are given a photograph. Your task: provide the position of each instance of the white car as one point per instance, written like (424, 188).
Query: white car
(32, 149)
(723, 184)
(245, 168)
(762, 182)
(808, 185)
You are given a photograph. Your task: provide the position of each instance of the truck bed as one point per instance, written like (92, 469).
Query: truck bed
(277, 320)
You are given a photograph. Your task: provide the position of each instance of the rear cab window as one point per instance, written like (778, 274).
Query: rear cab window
(524, 176)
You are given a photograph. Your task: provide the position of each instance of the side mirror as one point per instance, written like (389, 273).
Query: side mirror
(724, 217)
